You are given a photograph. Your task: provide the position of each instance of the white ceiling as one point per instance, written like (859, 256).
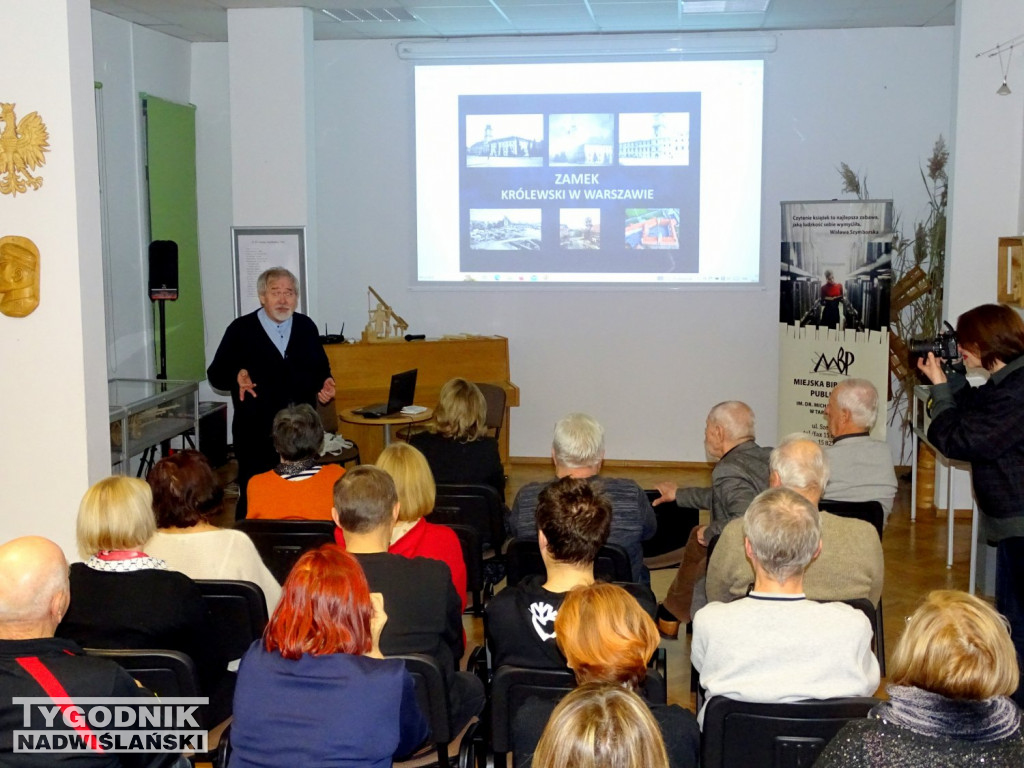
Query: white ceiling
(206, 20)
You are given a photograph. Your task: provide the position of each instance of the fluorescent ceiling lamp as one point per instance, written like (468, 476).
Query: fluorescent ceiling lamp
(725, 6)
(591, 46)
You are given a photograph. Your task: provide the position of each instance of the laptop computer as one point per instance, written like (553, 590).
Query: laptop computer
(401, 394)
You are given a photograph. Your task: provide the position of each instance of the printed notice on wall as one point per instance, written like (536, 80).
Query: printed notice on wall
(257, 249)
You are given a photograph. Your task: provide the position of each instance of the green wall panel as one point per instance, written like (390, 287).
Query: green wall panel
(171, 169)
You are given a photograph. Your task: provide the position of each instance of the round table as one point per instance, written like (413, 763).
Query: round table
(349, 416)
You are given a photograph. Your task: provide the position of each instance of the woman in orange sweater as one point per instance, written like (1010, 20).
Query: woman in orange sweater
(298, 488)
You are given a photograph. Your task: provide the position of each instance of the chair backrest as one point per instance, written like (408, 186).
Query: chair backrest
(282, 542)
(674, 526)
(495, 397)
(239, 613)
(472, 555)
(868, 511)
(432, 697)
(739, 734)
(522, 559)
(166, 673)
(478, 506)
(510, 689)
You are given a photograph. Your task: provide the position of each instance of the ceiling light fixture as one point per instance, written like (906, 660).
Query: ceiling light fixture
(1004, 89)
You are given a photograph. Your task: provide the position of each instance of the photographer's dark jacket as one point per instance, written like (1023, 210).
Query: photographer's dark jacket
(985, 426)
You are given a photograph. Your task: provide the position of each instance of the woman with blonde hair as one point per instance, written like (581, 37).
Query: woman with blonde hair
(950, 680)
(413, 536)
(123, 598)
(608, 638)
(601, 726)
(458, 449)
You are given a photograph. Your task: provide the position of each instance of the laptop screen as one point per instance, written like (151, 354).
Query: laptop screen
(403, 390)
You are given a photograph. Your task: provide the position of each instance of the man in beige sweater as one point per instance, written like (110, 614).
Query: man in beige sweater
(850, 564)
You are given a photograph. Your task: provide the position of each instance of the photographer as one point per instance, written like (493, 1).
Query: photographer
(985, 426)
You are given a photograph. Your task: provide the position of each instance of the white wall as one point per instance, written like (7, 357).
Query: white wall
(876, 99)
(129, 60)
(53, 384)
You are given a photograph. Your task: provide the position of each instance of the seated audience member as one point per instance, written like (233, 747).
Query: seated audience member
(608, 639)
(34, 594)
(185, 497)
(424, 613)
(458, 448)
(775, 645)
(601, 726)
(316, 690)
(578, 451)
(573, 520)
(123, 598)
(740, 473)
(950, 680)
(413, 536)
(298, 488)
(861, 467)
(850, 564)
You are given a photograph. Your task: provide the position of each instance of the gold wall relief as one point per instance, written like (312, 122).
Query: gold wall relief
(19, 276)
(22, 144)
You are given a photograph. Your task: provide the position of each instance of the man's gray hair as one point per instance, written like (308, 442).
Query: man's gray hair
(275, 273)
(578, 442)
(860, 398)
(735, 417)
(800, 463)
(784, 531)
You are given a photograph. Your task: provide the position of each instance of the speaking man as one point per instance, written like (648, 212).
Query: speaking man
(267, 360)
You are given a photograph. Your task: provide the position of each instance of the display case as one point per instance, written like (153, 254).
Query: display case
(147, 412)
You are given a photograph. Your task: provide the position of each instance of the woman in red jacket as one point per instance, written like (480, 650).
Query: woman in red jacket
(413, 536)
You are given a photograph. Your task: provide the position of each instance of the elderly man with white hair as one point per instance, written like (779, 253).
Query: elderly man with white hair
(34, 594)
(578, 451)
(851, 563)
(775, 645)
(741, 472)
(861, 466)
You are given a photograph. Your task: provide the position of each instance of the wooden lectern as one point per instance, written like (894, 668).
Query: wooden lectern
(363, 375)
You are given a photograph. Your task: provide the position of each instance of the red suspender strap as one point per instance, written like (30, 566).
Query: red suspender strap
(51, 685)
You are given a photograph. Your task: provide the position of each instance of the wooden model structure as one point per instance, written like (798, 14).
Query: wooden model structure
(384, 324)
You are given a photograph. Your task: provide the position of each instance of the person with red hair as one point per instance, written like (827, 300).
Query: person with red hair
(316, 690)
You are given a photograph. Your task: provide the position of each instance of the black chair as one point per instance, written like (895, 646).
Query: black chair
(740, 734)
(522, 559)
(473, 557)
(432, 697)
(282, 542)
(476, 505)
(239, 613)
(665, 548)
(494, 394)
(873, 513)
(874, 615)
(868, 511)
(511, 687)
(480, 508)
(166, 673)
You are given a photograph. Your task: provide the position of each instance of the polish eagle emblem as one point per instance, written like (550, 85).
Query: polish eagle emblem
(22, 144)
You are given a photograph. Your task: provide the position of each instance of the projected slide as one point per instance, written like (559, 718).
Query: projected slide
(616, 179)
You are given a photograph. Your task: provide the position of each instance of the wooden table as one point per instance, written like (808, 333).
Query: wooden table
(363, 374)
(375, 440)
